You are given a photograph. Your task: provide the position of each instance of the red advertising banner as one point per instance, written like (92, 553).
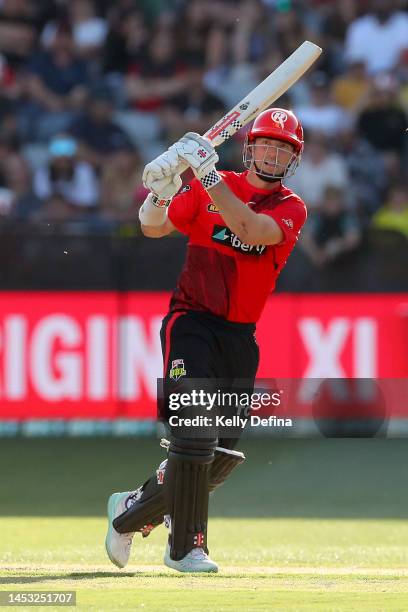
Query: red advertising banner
(98, 355)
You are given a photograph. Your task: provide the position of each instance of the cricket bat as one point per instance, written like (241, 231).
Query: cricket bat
(264, 94)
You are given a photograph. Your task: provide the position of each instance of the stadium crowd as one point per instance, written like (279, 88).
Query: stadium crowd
(90, 90)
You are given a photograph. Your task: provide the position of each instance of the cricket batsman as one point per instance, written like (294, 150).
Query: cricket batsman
(242, 227)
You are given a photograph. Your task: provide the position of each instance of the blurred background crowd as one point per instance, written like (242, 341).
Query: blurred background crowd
(91, 90)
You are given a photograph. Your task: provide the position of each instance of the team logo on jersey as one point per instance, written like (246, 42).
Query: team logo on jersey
(213, 208)
(279, 117)
(223, 235)
(185, 188)
(177, 369)
(288, 222)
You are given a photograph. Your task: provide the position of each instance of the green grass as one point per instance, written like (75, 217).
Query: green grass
(302, 525)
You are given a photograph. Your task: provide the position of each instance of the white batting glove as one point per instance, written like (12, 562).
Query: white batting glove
(165, 188)
(201, 156)
(160, 176)
(163, 165)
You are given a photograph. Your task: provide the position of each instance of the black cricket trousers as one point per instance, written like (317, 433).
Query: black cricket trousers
(200, 345)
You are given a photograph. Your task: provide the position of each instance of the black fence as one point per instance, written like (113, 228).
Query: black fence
(74, 256)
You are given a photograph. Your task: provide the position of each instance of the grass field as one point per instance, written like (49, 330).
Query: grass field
(302, 525)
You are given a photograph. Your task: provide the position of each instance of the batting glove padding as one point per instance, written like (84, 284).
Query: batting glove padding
(201, 156)
(165, 188)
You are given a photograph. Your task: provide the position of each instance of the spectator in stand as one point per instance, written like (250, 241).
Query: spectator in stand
(383, 121)
(394, 214)
(18, 23)
(6, 197)
(97, 136)
(350, 89)
(67, 178)
(367, 173)
(161, 74)
(322, 113)
(193, 32)
(8, 99)
(88, 29)
(234, 67)
(319, 169)
(332, 231)
(333, 19)
(57, 82)
(379, 37)
(195, 110)
(290, 29)
(126, 41)
(7, 74)
(122, 191)
(23, 202)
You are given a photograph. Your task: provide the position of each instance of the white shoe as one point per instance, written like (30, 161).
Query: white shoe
(195, 561)
(117, 544)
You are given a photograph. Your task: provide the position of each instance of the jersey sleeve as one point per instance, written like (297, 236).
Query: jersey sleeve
(290, 215)
(184, 207)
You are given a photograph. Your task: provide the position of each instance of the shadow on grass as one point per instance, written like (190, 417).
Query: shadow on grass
(281, 477)
(71, 576)
(92, 576)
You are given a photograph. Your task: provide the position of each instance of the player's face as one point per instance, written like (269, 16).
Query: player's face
(271, 157)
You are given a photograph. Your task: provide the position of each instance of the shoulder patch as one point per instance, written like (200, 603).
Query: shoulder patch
(212, 208)
(186, 188)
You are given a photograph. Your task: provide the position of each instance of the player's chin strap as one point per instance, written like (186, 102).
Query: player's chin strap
(146, 505)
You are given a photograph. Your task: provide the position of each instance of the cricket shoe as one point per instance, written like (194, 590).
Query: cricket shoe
(195, 561)
(117, 544)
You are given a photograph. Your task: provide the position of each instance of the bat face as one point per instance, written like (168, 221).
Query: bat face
(267, 92)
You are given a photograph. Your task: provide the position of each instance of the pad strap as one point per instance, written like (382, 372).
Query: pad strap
(146, 505)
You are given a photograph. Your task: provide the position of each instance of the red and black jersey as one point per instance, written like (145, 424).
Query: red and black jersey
(222, 275)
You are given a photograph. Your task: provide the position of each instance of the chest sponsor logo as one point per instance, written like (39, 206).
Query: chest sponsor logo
(223, 235)
(213, 208)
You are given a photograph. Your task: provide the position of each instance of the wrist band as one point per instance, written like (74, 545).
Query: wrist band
(153, 214)
(210, 179)
(160, 203)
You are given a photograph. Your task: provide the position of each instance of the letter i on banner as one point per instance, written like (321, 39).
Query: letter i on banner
(97, 358)
(15, 357)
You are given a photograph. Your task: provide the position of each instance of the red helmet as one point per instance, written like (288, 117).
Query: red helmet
(280, 124)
